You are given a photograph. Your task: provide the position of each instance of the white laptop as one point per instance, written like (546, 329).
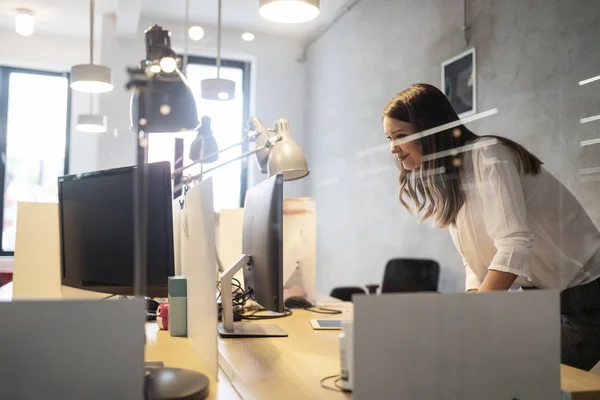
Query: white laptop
(496, 346)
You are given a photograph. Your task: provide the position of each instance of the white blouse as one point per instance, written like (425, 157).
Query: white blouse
(528, 225)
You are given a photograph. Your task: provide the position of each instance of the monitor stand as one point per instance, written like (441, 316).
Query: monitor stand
(241, 329)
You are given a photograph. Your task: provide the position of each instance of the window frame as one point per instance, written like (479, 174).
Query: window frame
(246, 68)
(5, 72)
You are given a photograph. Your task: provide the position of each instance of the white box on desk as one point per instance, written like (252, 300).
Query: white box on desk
(299, 244)
(37, 271)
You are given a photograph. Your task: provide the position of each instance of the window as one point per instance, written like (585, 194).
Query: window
(228, 120)
(34, 141)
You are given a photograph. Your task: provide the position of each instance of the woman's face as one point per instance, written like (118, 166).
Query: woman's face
(409, 154)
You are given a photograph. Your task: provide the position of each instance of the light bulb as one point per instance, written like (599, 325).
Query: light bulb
(155, 68)
(248, 37)
(168, 64)
(196, 32)
(24, 22)
(289, 11)
(223, 96)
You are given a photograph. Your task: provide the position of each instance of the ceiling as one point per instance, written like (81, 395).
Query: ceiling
(71, 17)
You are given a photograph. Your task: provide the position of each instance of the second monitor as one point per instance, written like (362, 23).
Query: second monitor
(262, 260)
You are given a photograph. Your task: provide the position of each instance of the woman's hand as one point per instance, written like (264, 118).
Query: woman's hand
(497, 281)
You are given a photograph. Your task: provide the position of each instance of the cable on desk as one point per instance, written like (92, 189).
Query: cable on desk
(253, 317)
(335, 388)
(108, 297)
(321, 310)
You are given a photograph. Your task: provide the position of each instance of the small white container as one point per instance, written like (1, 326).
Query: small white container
(347, 355)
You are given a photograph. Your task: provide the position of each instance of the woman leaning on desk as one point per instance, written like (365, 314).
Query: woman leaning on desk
(510, 219)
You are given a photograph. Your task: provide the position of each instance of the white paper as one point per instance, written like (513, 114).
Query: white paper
(199, 266)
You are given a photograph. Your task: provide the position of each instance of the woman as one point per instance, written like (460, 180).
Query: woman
(510, 219)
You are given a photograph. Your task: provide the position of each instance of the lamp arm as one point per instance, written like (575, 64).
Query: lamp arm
(241, 156)
(203, 159)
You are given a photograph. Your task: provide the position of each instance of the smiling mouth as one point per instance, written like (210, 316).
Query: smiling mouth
(402, 158)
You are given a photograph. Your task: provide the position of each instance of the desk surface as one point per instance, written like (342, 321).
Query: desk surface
(285, 368)
(179, 353)
(293, 367)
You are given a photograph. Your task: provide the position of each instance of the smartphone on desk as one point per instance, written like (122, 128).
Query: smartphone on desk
(326, 324)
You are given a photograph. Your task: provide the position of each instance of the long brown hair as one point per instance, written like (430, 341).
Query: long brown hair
(435, 187)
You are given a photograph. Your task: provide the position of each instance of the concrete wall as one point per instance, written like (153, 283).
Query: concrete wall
(55, 54)
(530, 56)
(277, 85)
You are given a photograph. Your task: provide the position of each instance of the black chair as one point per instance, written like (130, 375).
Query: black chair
(345, 293)
(410, 275)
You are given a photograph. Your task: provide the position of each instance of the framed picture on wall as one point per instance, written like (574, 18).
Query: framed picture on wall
(459, 82)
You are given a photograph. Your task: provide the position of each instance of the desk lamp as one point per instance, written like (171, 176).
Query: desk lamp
(275, 150)
(162, 102)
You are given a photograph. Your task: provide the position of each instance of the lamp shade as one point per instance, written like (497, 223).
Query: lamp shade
(217, 89)
(167, 105)
(204, 147)
(289, 11)
(91, 78)
(286, 157)
(92, 123)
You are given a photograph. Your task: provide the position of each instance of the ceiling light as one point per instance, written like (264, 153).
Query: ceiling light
(91, 123)
(289, 11)
(168, 64)
(248, 37)
(24, 22)
(218, 88)
(91, 78)
(196, 32)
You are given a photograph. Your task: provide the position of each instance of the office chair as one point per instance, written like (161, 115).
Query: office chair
(345, 293)
(410, 275)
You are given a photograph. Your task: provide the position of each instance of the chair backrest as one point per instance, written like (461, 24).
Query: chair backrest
(410, 275)
(345, 293)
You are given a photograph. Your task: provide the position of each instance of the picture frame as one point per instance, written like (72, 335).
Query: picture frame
(459, 82)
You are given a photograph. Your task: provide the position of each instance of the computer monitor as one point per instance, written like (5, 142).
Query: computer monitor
(262, 240)
(262, 259)
(96, 212)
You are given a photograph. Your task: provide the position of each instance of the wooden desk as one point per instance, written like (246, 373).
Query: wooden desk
(292, 367)
(179, 353)
(579, 385)
(284, 368)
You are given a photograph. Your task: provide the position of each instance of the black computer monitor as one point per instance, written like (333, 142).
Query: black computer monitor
(263, 242)
(96, 212)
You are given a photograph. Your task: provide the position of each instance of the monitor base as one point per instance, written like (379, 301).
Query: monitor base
(244, 330)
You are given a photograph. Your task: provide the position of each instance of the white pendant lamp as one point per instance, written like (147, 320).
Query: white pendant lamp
(91, 123)
(90, 78)
(289, 11)
(218, 88)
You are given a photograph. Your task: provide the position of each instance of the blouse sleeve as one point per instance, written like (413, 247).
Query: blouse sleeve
(472, 282)
(498, 184)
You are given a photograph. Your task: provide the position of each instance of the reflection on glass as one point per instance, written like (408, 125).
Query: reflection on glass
(35, 153)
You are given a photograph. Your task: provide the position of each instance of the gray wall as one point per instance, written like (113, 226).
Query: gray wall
(530, 56)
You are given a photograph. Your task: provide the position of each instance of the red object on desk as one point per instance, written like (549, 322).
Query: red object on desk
(162, 316)
(5, 277)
